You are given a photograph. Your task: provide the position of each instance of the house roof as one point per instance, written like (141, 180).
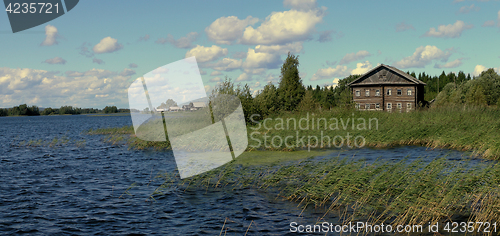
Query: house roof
(199, 104)
(394, 69)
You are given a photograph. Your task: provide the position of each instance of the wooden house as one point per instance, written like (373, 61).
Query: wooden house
(387, 88)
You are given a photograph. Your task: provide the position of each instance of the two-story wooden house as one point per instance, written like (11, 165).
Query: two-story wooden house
(387, 88)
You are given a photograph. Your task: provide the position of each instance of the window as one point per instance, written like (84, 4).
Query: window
(358, 93)
(408, 106)
(377, 92)
(389, 106)
(367, 93)
(357, 105)
(399, 105)
(389, 92)
(377, 106)
(367, 106)
(408, 92)
(400, 92)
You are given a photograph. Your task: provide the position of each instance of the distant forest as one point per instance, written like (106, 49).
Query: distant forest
(24, 110)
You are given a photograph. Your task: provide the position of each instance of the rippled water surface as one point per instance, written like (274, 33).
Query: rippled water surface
(54, 179)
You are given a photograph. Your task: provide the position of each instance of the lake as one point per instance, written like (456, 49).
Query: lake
(55, 179)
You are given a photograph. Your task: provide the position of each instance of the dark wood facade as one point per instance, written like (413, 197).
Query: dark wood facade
(387, 88)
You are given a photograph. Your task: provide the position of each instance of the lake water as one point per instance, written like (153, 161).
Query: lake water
(78, 185)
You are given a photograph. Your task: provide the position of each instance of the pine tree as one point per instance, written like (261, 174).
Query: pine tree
(290, 90)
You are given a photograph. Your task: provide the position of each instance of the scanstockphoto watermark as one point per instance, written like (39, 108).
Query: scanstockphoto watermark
(310, 131)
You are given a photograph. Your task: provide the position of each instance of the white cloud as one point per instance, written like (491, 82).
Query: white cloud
(362, 68)
(216, 79)
(226, 64)
(127, 72)
(467, 9)
(202, 72)
(448, 31)
(243, 77)
(132, 65)
(422, 57)
(451, 64)
(284, 27)
(50, 36)
(18, 86)
(489, 23)
(107, 45)
(261, 60)
(303, 5)
(478, 69)
(183, 42)
(205, 54)
(403, 27)
(295, 47)
(55, 60)
(350, 57)
(327, 73)
(226, 30)
(214, 73)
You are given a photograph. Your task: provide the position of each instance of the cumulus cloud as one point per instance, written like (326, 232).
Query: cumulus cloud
(127, 72)
(205, 54)
(84, 50)
(362, 68)
(403, 27)
(226, 30)
(240, 55)
(303, 5)
(261, 60)
(295, 47)
(132, 65)
(55, 60)
(328, 73)
(355, 56)
(47, 88)
(216, 79)
(226, 64)
(202, 72)
(467, 9)
(50, 36)
(284, 27)
(244, 77)
(183, 42)
(214, 73)
(448, 31)
(478, 69)
(422, 56)
(451, 64)
(107, 45)
(98, 61)
(144, 38)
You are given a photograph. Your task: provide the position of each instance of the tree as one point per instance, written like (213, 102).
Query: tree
(110, 109)
(308, 102)
(290, 89)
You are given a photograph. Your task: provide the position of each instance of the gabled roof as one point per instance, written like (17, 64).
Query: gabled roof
(394, 69)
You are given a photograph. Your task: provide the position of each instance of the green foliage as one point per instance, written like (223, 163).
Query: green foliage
(110, 109)
(21, 110)
(483, 90)
(308, 102)
(290, 89)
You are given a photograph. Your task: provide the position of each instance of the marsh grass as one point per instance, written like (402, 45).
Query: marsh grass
(54, 143)
(382, 192)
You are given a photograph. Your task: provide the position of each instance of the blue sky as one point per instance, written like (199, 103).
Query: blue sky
(92, 54)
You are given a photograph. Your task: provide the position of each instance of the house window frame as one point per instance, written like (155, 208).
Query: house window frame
(377, 92)
(357, 106)
(367, 92)
(377, 106)
(409, 92)
(399, 92)
(357, 93)
(389, 106)
(367, 106)
(389, 92)
(408, 106)
(399, 105)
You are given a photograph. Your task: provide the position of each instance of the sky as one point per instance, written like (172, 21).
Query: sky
(91, 55)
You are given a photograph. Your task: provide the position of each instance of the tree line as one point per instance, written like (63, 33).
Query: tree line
(290, 94)
(25, 110)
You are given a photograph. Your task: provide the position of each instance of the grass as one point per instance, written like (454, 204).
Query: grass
(475, 129)
(381, 192)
